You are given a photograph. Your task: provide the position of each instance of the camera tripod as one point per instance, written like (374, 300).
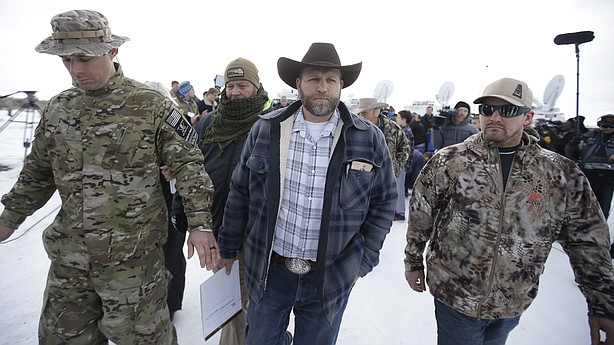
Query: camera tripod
(30, 108)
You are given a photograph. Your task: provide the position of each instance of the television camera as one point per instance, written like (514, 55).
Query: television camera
(548, 131)
(444, 116)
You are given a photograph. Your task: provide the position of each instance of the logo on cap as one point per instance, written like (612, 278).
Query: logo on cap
(236, 72)
(518, 91)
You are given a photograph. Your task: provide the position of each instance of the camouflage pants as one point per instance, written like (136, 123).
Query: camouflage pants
(124, 303)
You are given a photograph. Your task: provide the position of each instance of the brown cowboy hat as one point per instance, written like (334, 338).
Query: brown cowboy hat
(319, 55)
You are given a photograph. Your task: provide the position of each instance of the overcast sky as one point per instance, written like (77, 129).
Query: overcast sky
(417, 45)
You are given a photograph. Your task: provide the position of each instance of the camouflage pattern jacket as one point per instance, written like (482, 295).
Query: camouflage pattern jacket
(187, 108)
(488, 247)
(397, 142)
(102, 150)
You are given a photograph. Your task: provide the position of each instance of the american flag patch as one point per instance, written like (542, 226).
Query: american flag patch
(182, 126)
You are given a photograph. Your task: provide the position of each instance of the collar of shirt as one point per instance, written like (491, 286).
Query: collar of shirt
(300, 124)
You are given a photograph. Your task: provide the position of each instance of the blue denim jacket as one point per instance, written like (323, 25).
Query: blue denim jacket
(358, 206)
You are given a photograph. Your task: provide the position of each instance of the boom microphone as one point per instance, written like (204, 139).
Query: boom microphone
(574, 38)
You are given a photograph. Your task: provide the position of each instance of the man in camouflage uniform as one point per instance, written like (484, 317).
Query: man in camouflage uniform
(397, 142)
(491, 207)
(100, 144)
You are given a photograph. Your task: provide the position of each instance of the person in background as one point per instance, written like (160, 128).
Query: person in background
(187, 102)
(309, 211)
(283, 102)
(427, 119)
(418, 159)
(107, 280)
(427, 122)
(455, 127)
(208, 104)
(175, 89)
(417, 129)
(222, 136)
(594, 152)
(390, 112)
(403, 119)
(398, 145)
(567, 135)
(547, 132)
(490, 209)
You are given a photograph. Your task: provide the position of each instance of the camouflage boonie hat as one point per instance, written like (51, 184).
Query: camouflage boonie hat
(81, 33)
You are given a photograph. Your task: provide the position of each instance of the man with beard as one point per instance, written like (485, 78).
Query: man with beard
(491, 208)
(222, 136)
(310, 204)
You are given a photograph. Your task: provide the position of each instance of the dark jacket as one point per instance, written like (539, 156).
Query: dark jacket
(219, 165)
(357, 211)
(419, 132)
(451, 134)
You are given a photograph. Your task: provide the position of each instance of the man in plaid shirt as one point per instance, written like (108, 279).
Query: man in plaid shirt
(310, 204)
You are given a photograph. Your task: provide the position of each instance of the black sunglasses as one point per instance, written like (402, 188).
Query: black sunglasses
(504, 110)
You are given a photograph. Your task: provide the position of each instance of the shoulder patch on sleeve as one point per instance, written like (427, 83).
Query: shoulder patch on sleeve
(182, 127)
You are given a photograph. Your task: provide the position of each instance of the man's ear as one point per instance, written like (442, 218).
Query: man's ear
(529, 117)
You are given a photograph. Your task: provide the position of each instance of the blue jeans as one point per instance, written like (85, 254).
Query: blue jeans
(285, 291)
(454, 328)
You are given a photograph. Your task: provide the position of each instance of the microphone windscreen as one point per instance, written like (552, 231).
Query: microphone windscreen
(574, 38)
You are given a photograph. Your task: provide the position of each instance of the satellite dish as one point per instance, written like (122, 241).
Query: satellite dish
(537, 102)
(445, 93)
(553, 91)
(383, 89)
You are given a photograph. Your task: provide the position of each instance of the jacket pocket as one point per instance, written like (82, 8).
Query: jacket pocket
(355, 189)
(258, 173)
(127, 151)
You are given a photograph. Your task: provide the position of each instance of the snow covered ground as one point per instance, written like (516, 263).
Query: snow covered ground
(382, 308)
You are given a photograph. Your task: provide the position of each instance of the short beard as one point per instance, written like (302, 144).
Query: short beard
(318, 109)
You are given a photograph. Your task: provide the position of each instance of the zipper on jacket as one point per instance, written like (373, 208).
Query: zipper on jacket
(499, 179)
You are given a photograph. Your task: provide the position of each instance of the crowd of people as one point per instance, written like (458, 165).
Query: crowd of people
(302, 195)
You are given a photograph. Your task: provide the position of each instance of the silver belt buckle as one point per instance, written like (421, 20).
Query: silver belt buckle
(298, 266)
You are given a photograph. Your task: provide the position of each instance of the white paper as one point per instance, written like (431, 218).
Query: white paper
(220, 299)
(172, 183)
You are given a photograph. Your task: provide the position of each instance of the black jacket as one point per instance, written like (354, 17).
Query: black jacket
(219, 166)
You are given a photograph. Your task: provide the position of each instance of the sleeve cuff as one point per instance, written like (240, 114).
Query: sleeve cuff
(601, 313)
(11, 219)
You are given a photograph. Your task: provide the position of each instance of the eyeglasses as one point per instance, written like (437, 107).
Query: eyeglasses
(606, 125)
(504, 110)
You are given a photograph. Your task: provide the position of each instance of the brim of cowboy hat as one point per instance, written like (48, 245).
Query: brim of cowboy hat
(372, 106)
(288, 71)
(81, 47)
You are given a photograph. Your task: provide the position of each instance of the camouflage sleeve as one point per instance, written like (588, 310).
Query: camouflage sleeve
(422, 210)
(586, 240)
(34, 186)
(402, 148)
(177, 144)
